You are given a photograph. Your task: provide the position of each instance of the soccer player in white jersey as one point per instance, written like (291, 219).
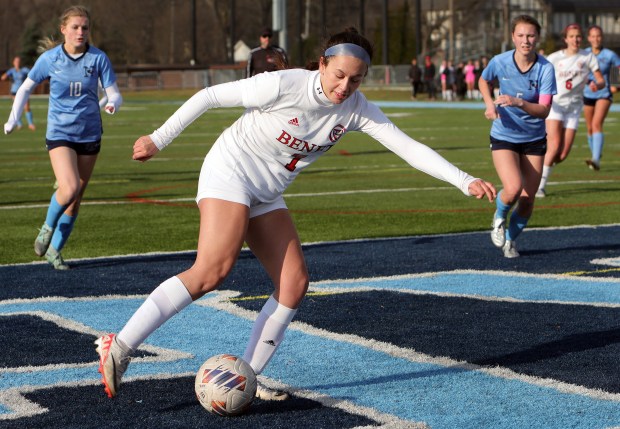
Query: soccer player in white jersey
(597, 102)
(292, 117)
(74, 127)
(573, 66)
(518, 143)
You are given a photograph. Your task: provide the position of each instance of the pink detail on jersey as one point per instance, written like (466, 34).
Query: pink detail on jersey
(294, 121)
(545, 99)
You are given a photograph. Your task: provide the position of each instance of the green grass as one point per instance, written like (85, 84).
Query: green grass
(392, 198)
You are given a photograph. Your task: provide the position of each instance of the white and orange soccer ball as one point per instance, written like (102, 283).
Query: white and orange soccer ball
(225, 385)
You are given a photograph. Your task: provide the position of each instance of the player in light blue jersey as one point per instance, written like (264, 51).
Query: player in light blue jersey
(74, 126)
(17, 75)
(597, 103)
(518, 136)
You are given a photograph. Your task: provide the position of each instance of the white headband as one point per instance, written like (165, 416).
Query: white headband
(349, 50)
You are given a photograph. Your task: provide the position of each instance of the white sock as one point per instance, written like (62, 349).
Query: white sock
(267, 334)
(165, 301)
(545, 175)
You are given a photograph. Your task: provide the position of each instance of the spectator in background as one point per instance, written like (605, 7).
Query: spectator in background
(267, 57)
(448, 76)
(597, 103)
(461, 87)
(477, 74)
(442, 79)
(415, 78)
(470, 78)
(17, 75)
(429, 77)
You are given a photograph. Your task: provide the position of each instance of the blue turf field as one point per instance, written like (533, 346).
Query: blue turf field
(429, 331)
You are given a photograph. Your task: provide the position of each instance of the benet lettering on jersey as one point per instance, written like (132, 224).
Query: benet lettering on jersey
(300, 145)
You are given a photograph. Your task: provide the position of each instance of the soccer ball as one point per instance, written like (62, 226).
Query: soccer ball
(225, 385)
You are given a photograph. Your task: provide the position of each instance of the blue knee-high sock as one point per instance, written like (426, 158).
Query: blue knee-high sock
(54, 211)
(590, 142)
(62, 231)
(29, 118)
(597, 146)
(516, 226)
(502, 208)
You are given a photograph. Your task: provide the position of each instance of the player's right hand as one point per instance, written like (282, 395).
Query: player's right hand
(144, 149)
(491, 113)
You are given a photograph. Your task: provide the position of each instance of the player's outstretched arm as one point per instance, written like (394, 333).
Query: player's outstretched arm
(23, 93)
(144, 149)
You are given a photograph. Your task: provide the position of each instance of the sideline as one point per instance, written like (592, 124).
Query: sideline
(468, 105)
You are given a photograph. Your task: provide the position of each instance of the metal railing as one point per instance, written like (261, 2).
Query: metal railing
(195, 79)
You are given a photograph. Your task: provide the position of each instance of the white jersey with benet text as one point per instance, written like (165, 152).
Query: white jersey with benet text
(571, 75)
(289, 123)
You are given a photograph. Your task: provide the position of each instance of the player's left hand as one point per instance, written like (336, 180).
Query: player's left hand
(109, 109)
(479, 188)
(508, 101)
(592, 85)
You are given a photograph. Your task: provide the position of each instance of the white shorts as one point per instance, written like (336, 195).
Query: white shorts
(568, 117)
(227, 186)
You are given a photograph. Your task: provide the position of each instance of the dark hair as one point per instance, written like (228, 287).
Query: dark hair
(525, 19)
(595, 27)
(573, 26)
(349, 35)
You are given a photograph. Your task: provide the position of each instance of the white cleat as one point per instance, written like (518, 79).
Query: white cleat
(510, 250)
(541, 193)
(267, 394)
(43, 240)
(498, 234)
(113, 362)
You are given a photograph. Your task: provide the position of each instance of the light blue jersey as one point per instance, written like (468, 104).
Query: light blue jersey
(606, 60)
(514, 124)
(17, 77)
(73, 113)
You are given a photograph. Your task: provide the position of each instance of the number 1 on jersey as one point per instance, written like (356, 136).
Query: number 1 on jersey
(291, 165)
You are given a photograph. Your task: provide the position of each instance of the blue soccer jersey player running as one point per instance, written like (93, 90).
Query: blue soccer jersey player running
(518, 136)
(17, 75)
(597, 103)
(74, 126)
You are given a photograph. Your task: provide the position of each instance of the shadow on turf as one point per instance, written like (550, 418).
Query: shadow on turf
(171, 403)
(594, 248)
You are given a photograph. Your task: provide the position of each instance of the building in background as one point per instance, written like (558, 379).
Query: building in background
(156, 42)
